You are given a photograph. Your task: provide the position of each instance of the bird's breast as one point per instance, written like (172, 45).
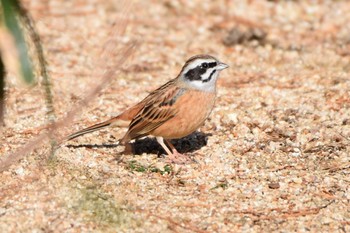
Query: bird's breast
(192, 109)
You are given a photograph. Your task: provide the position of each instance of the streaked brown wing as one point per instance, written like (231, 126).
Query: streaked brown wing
(158, 108)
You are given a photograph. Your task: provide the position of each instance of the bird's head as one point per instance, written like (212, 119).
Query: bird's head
(201, 72)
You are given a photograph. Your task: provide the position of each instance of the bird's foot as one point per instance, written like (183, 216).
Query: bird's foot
(177, 158)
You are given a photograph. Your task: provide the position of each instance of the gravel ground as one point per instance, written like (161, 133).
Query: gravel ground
(274, 155)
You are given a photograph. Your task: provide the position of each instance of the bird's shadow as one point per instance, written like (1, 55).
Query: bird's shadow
(188, 144)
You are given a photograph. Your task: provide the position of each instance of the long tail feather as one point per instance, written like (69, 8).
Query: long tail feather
(90, 129)
(121, 120)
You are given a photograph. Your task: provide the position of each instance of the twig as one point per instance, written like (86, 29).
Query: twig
(28, 21)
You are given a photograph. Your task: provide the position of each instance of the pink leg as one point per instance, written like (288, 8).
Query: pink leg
(173, 155)
(176, 157)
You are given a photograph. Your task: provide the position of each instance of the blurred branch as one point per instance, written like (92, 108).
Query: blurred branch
(12, 10)
(29, 23)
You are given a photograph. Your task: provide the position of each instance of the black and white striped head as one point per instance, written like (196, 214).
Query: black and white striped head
(201, 72)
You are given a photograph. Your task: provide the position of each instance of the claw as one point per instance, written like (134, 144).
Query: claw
(177, 158)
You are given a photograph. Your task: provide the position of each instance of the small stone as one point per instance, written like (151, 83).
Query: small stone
(274, 185)
(92, 164)
(20, 171)
(160, 166)
(106, 169)
(233, 118)
(297, 180)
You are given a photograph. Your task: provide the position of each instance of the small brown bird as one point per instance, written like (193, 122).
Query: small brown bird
(175, 109)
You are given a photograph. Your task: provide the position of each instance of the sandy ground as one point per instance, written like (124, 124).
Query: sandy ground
(274, 155)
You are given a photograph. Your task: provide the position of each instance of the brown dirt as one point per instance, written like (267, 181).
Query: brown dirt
(274, 155)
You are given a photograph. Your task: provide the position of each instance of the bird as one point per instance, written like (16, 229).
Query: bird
(174, 110)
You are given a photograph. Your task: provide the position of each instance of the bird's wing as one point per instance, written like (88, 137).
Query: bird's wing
(158, 108)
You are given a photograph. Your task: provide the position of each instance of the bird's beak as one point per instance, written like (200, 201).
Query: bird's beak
(221, 66)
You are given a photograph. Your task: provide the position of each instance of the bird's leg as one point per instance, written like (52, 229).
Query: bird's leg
(174, 156)
(160, 140)
(172, 147)
(177, 155)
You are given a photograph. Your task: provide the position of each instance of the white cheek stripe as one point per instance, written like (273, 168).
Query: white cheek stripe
(207, 76)
(204, 86)
(196, 63)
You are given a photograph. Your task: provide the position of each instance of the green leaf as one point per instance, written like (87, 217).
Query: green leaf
(10, 12)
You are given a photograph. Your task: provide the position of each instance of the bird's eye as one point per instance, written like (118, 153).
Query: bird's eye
(205, 65)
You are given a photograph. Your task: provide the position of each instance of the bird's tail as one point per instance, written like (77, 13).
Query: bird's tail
(114, 121)
(90, 129)
(121, 120)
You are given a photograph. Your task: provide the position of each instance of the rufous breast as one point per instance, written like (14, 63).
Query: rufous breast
(193, 108)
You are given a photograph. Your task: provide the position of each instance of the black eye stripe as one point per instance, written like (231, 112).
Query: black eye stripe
(209, 65)
(212, 64)
(195, 73)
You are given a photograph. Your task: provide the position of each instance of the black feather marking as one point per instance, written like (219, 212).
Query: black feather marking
(209, 78)
(212, 64)
(195, 73)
